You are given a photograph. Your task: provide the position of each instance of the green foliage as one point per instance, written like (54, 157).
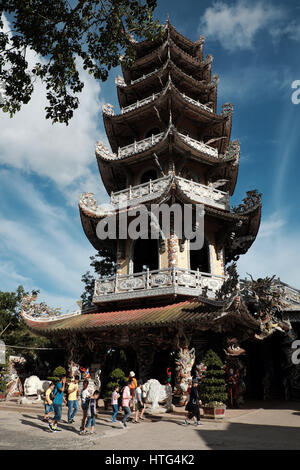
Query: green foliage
(117, 377)
(229, 286)
(3, 378)
(213, 385)
(58, 372)
(64, 34)
(13, 330)
(103, 264)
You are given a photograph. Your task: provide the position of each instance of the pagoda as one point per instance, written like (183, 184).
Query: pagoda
(169, 144)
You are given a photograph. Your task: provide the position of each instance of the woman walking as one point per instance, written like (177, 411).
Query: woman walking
(114, 402)
(126, 396)
(194, 403)
(139, 403)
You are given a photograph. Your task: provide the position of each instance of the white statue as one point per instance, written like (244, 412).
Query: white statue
(97, 380)
(34, 389)
(157, 394)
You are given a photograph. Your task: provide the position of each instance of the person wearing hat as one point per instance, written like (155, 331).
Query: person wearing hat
(132, 385)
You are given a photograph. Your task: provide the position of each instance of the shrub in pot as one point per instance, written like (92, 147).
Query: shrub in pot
(213, 390)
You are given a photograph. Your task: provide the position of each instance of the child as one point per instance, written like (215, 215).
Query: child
(48, 401)
(139, 404)
(114, 401)
(91, 412)
(85, 395)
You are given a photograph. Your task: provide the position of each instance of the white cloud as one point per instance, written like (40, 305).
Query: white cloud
(42, 247)
(274, 252)
(235, 26)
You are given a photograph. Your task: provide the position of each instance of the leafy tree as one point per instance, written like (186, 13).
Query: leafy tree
(103, 264)
(14, 332)
(116, 377)
(61, 31)
(213, 385)
(3, 378)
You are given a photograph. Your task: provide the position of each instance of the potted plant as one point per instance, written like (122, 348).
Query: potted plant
(4, 378)
(213, 392)
(58, 371)
(117, 377)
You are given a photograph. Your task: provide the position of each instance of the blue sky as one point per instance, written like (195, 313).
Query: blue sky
(45, 168)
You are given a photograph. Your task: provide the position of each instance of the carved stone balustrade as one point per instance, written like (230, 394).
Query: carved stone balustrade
(195, 191)
(140, 103)
(197, 103)
(201, 146)
(139, 146)
(143, 77)
(168, 281)
(141, 192)
(204, 194)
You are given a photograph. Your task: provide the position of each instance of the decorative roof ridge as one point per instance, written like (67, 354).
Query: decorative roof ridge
(103, 152)
(120, 82)
(169, 41)
(250, 203)
(29, 310)
(88, 204)
(199, 41)
(195, 60)
(108, 109)
(168, 26)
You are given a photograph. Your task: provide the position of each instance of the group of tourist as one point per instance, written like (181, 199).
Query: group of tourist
(130, 396)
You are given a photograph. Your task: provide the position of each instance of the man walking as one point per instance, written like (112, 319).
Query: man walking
(72, 399)
(57, 403)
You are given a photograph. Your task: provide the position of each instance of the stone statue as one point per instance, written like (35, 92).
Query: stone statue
(73, 369)
(184, 363)
(97, 379)
(34, 389)
(160, 396)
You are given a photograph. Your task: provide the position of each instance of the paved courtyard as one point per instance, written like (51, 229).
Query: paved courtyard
(259, 426)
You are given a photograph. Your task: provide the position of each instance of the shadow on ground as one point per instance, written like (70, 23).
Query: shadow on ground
(239, 436)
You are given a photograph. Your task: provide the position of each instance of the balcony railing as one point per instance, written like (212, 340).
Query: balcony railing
(201, 146)
(196, 191)
(140, 103)
(204, 194)
(197, 103)
(139, 146)
(145, 144)
(160, 282)
(141, 191)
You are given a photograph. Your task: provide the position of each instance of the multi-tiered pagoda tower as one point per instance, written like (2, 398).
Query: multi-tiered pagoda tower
(169, 144)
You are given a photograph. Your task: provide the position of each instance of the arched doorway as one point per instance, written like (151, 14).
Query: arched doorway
(145, 255)
(199, 259)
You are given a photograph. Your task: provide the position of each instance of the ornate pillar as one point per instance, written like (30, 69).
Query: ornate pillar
(184, 362)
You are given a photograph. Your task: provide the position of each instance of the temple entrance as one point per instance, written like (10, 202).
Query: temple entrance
(162, 361)
(264, 369)
(199, 259)
(145, 255)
